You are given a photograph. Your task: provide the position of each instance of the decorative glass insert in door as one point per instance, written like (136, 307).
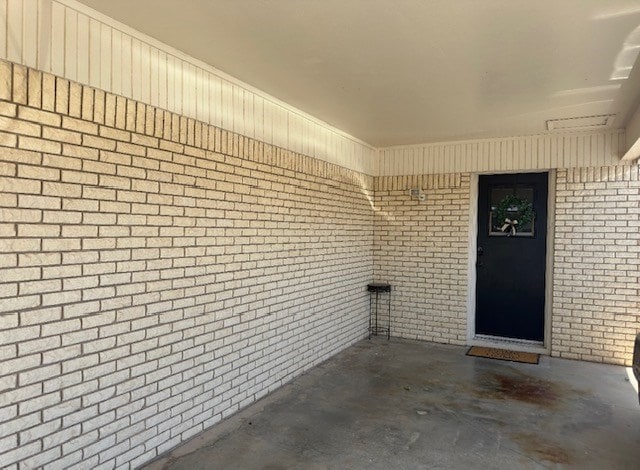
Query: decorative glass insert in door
(512, 212)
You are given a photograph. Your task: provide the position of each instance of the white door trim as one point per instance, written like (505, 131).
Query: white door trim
(473, 255)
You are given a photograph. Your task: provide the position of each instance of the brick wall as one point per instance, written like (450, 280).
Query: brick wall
(596, 292)
(420, 248)
(157, 274)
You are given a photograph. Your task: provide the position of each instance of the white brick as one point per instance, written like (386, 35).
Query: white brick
(68, 460)
(20, 453)
(38, 403)
(40, 431)
(38, 375)
(100, 445)
(8, 443)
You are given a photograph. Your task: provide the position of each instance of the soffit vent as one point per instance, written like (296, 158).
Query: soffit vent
(581, 123)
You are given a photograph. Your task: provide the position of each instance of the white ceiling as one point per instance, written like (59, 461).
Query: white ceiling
(394, 72)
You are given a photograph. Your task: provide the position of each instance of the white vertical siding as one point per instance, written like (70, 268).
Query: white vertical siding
(537, 152)
(3, 28)
(68, 39)
(57, 24)
(30, 35)
(14, 28)
(43, 58)
(116, 62)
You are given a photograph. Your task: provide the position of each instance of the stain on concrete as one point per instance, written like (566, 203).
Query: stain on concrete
(540, 448)
(522, 388)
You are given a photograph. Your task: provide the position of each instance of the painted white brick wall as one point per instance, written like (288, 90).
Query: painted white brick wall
(157, 274)
(420, 248)
(596, 292)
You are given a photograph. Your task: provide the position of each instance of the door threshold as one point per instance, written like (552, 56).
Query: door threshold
(510, 344)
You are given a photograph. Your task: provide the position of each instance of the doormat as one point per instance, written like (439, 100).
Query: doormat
(503, 354)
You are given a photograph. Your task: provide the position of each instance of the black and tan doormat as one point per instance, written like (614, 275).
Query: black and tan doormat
(503, 354)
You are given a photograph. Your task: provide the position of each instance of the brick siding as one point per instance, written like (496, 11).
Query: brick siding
(157, 274)
(420, 248)
(596, 291)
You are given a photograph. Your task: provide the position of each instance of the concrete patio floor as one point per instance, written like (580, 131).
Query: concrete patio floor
(407, 405)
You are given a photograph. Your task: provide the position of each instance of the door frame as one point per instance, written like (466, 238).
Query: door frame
(507, 343)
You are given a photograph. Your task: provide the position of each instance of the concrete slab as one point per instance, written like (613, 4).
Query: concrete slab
(403, 404)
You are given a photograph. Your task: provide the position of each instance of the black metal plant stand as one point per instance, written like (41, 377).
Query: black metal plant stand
(374, 327)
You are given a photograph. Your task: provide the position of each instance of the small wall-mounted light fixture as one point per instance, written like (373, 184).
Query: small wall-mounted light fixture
(416, 193)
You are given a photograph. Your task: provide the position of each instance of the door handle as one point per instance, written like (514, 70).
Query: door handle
(480, 253)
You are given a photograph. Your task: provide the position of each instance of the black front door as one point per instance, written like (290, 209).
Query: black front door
(512, 239)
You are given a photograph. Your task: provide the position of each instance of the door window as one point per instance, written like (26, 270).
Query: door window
(511, 212)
